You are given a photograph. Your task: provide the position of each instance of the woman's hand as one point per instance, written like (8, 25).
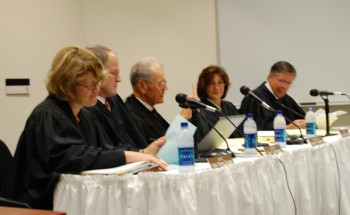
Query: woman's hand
(132, 157)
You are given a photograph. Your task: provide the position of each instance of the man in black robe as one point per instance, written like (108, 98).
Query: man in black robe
(111, 111)
(274, 93)
(149, 85)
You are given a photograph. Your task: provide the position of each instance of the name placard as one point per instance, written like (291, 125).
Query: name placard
(316, 141)
(219, 161)
(344, 132)
(273, 149)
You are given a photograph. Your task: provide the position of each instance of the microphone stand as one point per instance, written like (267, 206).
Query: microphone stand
(240, 132)
(211, 125)
(194, 121)
(293, 140)
(326, 107)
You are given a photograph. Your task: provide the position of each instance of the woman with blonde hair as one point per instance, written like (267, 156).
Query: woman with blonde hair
(60, 136)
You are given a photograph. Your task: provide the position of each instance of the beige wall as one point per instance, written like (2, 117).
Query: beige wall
(181, 33)
(31, 33)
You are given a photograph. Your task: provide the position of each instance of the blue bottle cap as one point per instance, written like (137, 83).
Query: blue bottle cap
(184, 124)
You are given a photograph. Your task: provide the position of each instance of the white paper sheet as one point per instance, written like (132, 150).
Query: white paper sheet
(168, 152)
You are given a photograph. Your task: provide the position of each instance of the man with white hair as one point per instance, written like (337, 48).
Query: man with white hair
(149, 84)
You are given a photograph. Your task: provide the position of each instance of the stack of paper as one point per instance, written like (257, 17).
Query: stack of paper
(321, 117)
(121, 170)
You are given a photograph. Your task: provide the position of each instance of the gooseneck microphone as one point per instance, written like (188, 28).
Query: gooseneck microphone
(185, 101)
(240, 132)
(290, 109)
(293, 140)
(247, 92)
(315, 92)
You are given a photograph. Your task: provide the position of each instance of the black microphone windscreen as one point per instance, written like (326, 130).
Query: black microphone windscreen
(181, 98)
(314, 92)
(244, 90)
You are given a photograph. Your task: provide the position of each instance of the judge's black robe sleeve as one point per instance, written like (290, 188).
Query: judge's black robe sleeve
(53, 143)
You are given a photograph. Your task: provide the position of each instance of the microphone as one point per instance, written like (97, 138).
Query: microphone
(185, 101)
(295, 140)
(315, 92)
(247, 92)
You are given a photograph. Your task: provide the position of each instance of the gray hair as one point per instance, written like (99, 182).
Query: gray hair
(142, 70)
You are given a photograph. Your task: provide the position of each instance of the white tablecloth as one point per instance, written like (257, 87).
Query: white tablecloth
(312, 181)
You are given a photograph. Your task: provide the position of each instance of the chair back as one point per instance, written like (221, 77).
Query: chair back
(5, 162)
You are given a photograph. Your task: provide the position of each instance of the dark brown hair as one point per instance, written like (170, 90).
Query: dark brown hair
(206, 77)
(281, 66)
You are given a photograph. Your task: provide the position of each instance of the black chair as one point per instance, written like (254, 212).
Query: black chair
(5, 163)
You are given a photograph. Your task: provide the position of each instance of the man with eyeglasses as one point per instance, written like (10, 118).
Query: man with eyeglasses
(111, 111)
(149, 84)
(274, 93)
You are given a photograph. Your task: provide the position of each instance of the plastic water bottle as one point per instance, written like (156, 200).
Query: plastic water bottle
(279, 126)
(249, 129)
(185, 145)
(310, 120)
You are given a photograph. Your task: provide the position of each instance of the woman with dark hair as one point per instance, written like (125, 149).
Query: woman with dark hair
(212, 86)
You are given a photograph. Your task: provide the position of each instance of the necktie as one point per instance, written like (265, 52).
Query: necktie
(108, 106)
(155, 113)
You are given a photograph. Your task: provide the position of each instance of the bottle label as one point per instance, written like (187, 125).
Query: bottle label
(310, 128)
(250, 141)
(186, 156)
(280, 135)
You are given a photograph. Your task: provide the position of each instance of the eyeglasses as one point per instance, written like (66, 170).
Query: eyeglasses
(115, 73)
(219, 84)
(284, 83)
(91, 86)
(160, 84)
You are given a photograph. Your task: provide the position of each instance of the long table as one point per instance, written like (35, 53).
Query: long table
(27, 211)
(301, 180)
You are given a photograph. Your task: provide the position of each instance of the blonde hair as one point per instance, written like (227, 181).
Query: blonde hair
(71, 65)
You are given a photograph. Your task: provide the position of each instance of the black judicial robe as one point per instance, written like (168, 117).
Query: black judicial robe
(118, 124)
(263, 117)
(203, 127)
(152, 125)
(53, 143)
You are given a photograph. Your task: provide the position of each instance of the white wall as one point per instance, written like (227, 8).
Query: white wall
(313, 35)
(181, 33)
(31, 34)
